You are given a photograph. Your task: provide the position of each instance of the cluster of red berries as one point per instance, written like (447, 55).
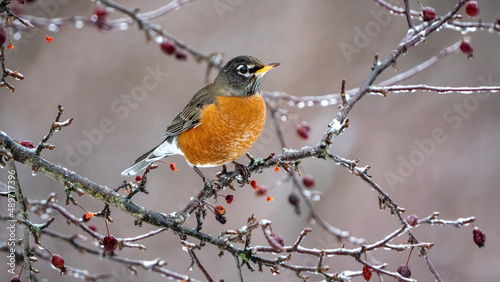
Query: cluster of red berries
(169, 47)
(220, 212)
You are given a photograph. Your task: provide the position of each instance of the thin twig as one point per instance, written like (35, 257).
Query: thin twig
(439, 89)
(408, 14)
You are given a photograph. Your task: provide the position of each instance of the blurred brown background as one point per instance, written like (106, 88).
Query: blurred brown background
(87, 71)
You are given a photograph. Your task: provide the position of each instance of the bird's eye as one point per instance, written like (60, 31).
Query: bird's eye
(242, 69)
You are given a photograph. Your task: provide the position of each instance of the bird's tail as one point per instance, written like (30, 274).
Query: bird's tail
(165, 149)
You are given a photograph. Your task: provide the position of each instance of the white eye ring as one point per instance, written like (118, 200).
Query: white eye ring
(243, 70)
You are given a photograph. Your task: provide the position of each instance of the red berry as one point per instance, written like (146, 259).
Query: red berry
(466, 47)
(498, 21)
(58, 261)
(138, 178)
(93, 228)
(472, 9)
(479, 237)
(278, 239)
(254, 184)
(303, 130)
(110, 243)
(168, 47)
(367, 273)
(15, 279)
(428, 13)
(293, 199)
(181, 55)
(308, 181)
(28, 144)
(86, 217)
(404, 270)
(229, 199)
(412, 220)
(100, 12)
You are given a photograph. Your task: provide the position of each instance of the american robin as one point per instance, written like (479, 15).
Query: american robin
(220, 123)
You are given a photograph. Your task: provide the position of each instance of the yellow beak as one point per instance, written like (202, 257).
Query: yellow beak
(266, 68)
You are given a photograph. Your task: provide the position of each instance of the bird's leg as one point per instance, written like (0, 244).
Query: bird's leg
(244, 172)
(211, 184)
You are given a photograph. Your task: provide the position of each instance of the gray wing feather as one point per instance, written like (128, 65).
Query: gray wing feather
(190, 115)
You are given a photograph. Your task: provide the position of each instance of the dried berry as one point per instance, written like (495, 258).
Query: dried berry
(466, 47)
(367, 273)
(229, 199)
(58, 261)
(404, 270)
(412, 220)
(172, 167)
(303, 130)
(110, 243)
(27, 143)
(428, 13)
(221, 218)
(278, 239)
(472, 9)
(293, 199)
(168, 47)
(479, 237)
(181, 55)
(308, 181)
(219, 210)
(93, 228)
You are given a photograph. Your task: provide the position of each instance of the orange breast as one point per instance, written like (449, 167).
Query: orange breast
(228, 129)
